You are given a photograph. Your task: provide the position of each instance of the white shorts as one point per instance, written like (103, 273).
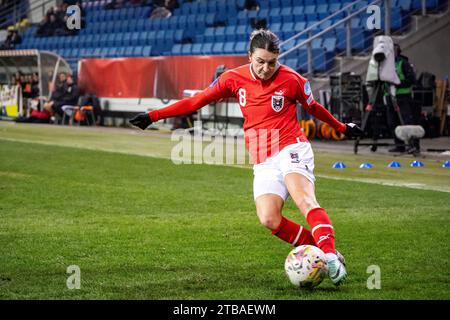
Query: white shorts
(269, 175)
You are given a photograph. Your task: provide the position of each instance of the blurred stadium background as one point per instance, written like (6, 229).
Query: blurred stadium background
(110, 200)
(132, 60)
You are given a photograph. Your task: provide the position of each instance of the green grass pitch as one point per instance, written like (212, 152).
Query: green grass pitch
(141, 227)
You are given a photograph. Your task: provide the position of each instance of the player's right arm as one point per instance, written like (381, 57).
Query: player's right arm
(218, 90)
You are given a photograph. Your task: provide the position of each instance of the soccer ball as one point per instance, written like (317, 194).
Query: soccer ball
(306, 266)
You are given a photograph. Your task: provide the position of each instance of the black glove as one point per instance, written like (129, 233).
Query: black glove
(142, 120)
(352, 130)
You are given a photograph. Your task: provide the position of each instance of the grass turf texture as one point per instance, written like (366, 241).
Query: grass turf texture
(142, 228)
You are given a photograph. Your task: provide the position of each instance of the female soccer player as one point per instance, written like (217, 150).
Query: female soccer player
(284, 162)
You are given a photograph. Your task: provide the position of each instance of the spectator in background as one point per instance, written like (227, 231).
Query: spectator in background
(163, 8)
(16, 78)
(115, 4)
(251, 5)
(11, 40)
(403, 94)
(257, 23)
(55, 21)
(35, 114)
(160, 12)
(171, 5)
(57, 90)
(43, 28)
(35, 86)
(70, 96)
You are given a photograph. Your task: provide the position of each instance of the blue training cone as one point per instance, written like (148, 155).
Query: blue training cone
(366, 165)
(339, 165)
(446, 164)
(417, 164)
(394, 164)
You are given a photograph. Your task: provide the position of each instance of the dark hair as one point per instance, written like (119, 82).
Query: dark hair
(264, 39)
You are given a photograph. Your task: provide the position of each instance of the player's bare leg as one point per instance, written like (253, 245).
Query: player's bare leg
(269, 210)
(302, 193)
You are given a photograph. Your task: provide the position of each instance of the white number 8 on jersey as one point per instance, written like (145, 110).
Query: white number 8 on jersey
(242, 97)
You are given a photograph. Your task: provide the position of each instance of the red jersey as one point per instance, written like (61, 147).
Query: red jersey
(268, 107)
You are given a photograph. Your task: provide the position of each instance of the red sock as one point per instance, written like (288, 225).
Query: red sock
(293, 233)
(321, 229)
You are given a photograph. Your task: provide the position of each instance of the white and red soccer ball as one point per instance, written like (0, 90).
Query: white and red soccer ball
(306, 266)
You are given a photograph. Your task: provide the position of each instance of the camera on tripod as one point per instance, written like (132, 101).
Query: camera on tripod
(381, 80)
(382, 62)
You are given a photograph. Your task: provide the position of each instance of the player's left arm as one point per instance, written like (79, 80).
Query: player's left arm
(305, 97)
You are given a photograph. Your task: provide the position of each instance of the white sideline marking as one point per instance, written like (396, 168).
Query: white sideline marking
(390, 183)
(371, 181)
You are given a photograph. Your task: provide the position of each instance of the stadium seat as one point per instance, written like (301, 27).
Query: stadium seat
(276, 27)
(299, 26)
(128, 51)
(126, 38)
(241, 4)
(134, 41)
(286, 14)
(197, 49)
(176, 49)
(286, 3)
(137, 51)
(218, 48)
(230, 33)
(430, 4)
(242, 32)
(96, 53)
(120, 52)
(329, 44)
(110, 39)
(207, 48)
(317, 43)
(241, 47)
(210, 19)
(302, 62)
(219, 34)
(405, 5)
(228, 48)
(179, 36)
(186, 49)
(208, 36)
(112, 52)
(274, 15)
(292, 63)
(359, 41)
(147, 51)
(322, 60)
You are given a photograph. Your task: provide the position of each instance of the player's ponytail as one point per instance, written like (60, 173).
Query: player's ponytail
(264, 39)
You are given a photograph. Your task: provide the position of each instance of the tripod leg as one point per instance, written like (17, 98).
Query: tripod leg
(368, 111)
(397, 109)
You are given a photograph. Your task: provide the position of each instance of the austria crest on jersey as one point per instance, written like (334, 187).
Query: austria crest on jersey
(277, 103)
